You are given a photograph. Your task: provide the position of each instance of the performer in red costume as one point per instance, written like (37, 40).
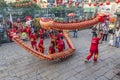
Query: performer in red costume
(59, 35)
(41, 33)
(28, 31)
(33, 40)
(9, 34)
(41, 46)
(94, 47)
(51, 49)
(14, 30)
(52, 38)
(60, 45)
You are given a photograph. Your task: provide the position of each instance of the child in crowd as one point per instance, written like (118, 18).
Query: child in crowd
(111, 42)
(41, 46)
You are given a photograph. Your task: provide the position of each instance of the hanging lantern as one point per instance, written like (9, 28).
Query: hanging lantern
(59, 2)
(94, 4)
(117, 1)
(35, 1)
(64, 3)
(90, 4)
(70, 2)
(76, 4)
(107, 2)
(101, 3)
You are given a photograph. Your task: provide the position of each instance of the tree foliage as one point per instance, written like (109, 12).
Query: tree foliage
(3, 4)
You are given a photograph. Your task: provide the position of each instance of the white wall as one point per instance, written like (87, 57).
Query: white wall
(8, 1)
(112, 7)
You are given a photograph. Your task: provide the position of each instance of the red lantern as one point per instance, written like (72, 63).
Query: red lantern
(76, 4)
(107, 2)
(101, 3)
(35, 1)
(70, 2)
(64, 3)
(117, 1)
(95, 4)
(90, 4)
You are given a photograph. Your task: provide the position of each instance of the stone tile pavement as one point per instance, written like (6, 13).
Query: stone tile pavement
(17, 64)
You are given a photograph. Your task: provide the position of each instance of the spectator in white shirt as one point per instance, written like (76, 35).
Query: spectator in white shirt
(111, 41)
(117, 35)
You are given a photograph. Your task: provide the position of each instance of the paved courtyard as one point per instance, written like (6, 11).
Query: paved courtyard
(17, 64)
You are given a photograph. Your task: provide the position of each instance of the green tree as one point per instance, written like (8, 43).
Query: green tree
(3, 4)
